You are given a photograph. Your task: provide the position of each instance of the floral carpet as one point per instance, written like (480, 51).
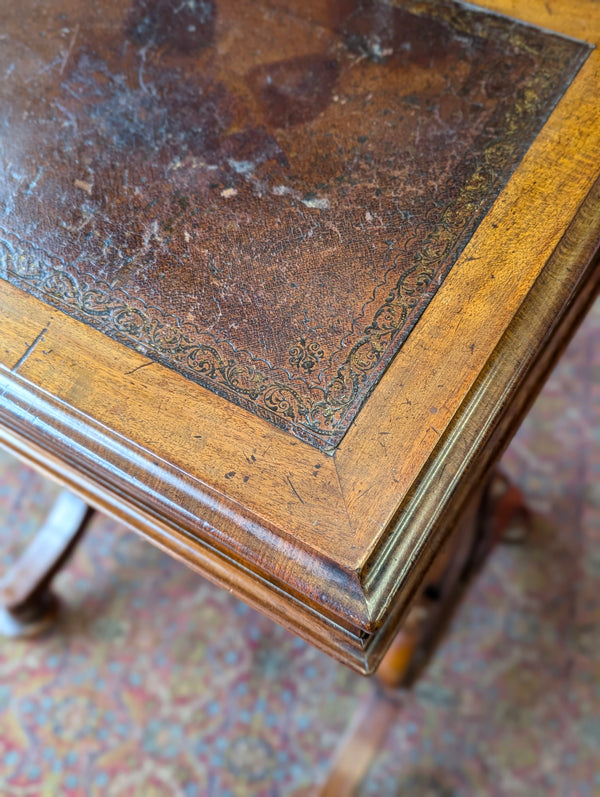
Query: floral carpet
(155, 683)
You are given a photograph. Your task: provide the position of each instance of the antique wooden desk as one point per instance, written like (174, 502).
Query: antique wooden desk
(279, 279)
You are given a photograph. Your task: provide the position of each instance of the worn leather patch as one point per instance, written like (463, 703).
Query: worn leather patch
(263, 196)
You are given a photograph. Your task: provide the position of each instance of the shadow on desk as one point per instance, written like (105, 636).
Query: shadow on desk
(154, 682)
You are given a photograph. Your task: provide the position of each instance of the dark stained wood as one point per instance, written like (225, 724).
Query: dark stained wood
(26, 601)
(334, 545)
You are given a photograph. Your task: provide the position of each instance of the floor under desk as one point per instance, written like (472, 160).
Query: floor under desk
(132, 673)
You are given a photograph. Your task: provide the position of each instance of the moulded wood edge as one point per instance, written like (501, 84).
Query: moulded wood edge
(204, 515)
(489, 415)
(360, 599)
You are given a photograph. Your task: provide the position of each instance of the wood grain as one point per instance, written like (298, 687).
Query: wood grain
(576, 18)
(333, 546)
(461, 327)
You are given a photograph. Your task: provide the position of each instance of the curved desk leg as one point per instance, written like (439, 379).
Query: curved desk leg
(27, 604)
(500, 514)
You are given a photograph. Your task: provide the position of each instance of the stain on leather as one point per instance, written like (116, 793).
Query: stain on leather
(387, 34)
(176, 114)
(164, 115)
(246, 150)
(294, 91)
(183, 25)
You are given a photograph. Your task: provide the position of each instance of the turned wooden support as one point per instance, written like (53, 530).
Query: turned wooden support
(498, 513)
(27, 604)
(429, 615)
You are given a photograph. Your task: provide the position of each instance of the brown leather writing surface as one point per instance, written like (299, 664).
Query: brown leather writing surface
(261, 196)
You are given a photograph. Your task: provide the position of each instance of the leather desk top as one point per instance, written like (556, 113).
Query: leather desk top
(278, 279)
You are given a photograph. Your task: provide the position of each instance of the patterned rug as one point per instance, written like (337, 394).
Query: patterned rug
(155, 683)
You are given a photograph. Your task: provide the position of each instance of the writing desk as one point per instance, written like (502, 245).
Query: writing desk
(280, 279)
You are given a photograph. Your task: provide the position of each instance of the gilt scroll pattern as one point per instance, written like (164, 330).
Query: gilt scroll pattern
(297, 398)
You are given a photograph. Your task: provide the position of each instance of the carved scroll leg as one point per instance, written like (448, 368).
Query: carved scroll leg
(27, 604)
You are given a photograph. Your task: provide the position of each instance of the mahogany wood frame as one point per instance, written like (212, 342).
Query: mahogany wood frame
(333, 546)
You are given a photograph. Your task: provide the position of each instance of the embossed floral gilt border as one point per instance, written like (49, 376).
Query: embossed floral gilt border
(318, 414)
